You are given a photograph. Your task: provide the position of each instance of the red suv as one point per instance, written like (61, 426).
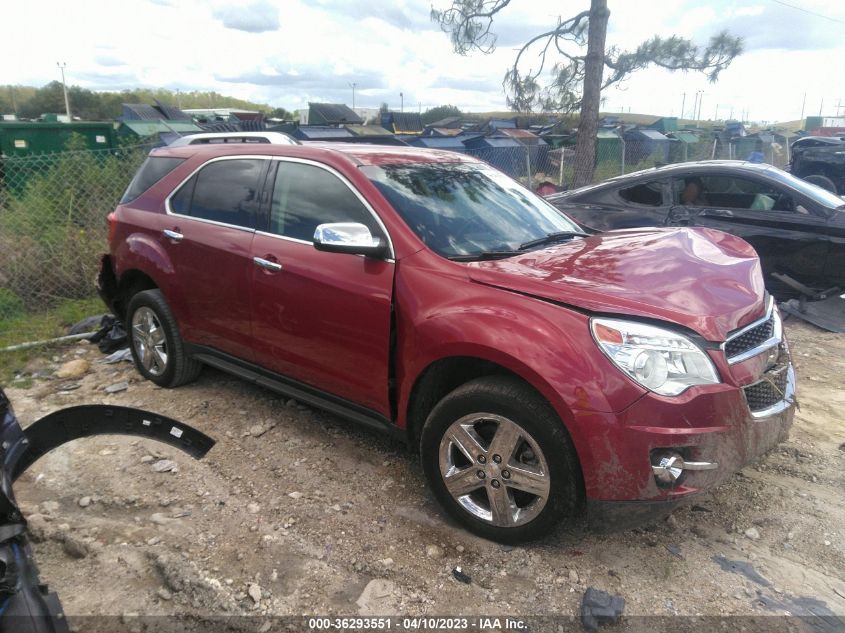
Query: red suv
(539, 371)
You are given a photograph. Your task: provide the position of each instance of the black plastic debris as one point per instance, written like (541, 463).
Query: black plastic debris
(599, 607)
(460, 576)
(88, 324)
(111, 336)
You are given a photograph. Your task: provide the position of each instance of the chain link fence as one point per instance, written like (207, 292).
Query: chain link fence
(543, 167)
(53, 210)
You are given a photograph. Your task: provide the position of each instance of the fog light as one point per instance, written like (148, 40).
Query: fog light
(667, 467)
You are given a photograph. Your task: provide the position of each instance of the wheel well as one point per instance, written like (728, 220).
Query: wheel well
(131, 283)
(441, 378)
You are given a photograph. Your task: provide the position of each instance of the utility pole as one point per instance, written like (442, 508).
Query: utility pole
(62, 67)
(353, 84)
(683, 103)
(716, 113)
(698, 117)
(401, 102)
(14, 102)
(821, 106)
(803, 103)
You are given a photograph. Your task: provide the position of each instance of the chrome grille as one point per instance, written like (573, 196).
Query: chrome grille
(768, 392)
(756, 338)
(751, 338)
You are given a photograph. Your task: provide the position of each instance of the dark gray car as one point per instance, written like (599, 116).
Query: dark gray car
(797, 228)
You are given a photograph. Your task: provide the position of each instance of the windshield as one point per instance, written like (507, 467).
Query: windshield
(466, 209)
(814, 192)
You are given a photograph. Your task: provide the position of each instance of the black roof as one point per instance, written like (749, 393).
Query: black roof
(331, 114)
(406, 122)
(170, 113)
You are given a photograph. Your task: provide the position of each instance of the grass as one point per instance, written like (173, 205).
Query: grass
(39, 327)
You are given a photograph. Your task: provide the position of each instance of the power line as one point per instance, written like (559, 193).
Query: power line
(808, 11)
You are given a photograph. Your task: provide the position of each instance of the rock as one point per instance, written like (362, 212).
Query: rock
(74, 547)
(253, 508)
(295, 495)
(573, 576)
(387, 562)
(50, 507)
(84, 502)
(373, 600)
(155, 540)
(117, 387)
(599, 607)
(257, 430)
(460, 549)
(161, 519)
(254, 592)
(434, 551)
(165, 466)
(39, 530)
(164, 594)
(73, 369)
(147, 459)
(752, 533)
(461, 576)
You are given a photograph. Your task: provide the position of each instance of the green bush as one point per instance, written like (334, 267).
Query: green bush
(53, 220)
(10, 304)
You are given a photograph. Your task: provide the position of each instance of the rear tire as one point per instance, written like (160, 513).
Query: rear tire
(157, 348)
(500, 461)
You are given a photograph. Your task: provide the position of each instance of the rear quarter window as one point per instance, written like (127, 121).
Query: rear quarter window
(154, 169)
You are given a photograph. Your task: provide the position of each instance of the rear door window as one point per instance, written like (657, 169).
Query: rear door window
(648, 194)
(305, 196)
(225, 191)
(154, 169)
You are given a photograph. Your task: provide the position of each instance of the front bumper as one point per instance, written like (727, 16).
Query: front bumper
(706, 424)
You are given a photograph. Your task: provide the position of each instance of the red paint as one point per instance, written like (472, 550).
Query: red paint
(325, 320)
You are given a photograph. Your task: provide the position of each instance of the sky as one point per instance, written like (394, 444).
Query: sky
(289, 52)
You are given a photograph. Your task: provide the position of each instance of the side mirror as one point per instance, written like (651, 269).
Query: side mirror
(348, 237)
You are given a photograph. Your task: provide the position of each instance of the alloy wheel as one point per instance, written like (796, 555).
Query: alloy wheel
(494, 469)
(149, 341)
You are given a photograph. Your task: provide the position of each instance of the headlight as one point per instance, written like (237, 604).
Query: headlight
(660, 360)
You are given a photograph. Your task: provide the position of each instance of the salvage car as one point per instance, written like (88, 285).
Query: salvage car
(820, 160)
(797, 228)
(539, 371)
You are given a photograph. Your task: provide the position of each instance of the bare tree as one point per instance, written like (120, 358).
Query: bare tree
(574, 79)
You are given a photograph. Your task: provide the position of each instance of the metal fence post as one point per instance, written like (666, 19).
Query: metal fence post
(560, 175)
(528, 167)
(622, 145)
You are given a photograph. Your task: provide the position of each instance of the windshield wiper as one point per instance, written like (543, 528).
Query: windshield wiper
(483, 255)
(551, 238)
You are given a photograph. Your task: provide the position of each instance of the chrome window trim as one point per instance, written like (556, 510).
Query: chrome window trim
(781, 406)
(169, 209)
(775, 339)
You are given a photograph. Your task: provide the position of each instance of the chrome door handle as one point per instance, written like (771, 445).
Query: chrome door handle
(173, 235)
(266, 264)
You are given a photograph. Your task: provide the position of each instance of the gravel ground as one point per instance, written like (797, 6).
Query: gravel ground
(297, 512)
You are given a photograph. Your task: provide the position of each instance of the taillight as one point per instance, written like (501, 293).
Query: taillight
(111, 218)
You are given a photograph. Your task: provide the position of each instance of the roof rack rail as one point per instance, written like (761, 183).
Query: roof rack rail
(208, 138)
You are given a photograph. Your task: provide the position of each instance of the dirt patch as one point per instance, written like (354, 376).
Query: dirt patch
(297, 512)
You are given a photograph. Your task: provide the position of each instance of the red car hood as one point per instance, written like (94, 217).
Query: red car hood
(706, 280)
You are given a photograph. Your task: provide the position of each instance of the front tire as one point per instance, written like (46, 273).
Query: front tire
(500, 461)
(157, 347)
